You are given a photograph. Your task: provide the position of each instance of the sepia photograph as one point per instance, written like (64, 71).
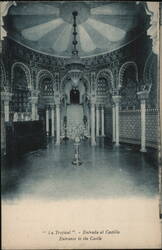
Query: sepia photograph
(80, 125)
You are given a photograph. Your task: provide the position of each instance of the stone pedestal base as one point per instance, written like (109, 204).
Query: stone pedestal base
(143, 150)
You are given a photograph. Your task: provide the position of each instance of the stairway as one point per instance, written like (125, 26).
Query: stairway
(74, 117)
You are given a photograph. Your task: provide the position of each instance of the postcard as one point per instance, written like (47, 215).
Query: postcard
(80, 125)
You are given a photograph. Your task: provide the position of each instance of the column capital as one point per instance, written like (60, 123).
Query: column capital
(34, 92)
(93, 100)
(143, 95)
(48, 100)
(6, 96)
(52, 105)
(57, 99)
(58, 105)
(33, 99)
(116, 99)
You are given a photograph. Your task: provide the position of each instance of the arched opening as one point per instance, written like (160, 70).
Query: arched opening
(20, 98)
(128, 90)
(74, 96)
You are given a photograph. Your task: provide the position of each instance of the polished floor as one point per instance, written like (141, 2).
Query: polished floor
(107, 172)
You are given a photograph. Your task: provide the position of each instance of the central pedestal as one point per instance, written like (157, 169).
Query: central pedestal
(76, 161)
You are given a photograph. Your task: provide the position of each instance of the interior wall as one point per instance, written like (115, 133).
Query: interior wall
(130, 127)
(152, 128)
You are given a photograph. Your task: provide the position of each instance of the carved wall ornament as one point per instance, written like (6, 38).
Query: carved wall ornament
(143, 95)
(67, 78)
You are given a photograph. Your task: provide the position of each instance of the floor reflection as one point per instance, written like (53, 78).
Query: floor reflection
(107, 171)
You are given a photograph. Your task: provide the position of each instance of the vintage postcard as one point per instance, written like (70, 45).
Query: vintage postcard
(80, 125)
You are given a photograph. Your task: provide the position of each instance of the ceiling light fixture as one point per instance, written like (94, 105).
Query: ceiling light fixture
(75, 66)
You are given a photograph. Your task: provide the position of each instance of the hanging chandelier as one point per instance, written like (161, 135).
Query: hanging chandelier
(75, 66)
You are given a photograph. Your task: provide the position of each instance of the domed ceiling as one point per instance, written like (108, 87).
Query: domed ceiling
(102, 26)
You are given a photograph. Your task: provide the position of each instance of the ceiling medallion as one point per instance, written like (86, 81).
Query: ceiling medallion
(75, 66)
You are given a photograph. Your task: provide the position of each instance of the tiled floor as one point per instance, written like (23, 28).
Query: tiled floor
(107, 171)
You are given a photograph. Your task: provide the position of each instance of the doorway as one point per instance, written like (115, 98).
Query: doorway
(74, 96)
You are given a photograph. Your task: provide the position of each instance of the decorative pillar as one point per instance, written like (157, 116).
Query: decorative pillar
(143, 95)
(6, 110)
(47, 121)
(58, 124)
(34, 101)
(113, 124)
(53, 120)
(97, 120)
(88, 124)
(93, 139)
(116, 100)
(6, 98)
(34, 104)
(102, 121)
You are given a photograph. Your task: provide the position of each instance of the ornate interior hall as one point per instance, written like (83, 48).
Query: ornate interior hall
(79, 100)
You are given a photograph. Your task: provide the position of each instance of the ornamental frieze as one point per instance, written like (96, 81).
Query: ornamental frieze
(117, 57)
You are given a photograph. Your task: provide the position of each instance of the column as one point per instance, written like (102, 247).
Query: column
(6, 110)
(102, 122)
(143, 95)
(33, 111)
(36, 112)
(116, 100)
(34, 101)
(6, 97)
(113, 124)
(97, 120)
(93, 139)
(88, 124)
(57, 124)
(47, 121)
(52, 120)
